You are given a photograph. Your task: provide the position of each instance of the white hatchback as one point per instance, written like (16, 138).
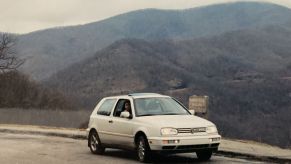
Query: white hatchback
(149, 123)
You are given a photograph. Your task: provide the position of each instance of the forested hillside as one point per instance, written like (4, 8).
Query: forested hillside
(51, 50)
(18, 91)
(244, 72)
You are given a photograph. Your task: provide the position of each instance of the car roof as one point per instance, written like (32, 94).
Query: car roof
(144, 95)
(139, 95)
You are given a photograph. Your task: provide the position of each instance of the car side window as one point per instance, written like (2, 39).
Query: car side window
(118, 108)
(106, 107)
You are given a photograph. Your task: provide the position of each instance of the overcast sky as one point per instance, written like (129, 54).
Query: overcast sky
(22, 16)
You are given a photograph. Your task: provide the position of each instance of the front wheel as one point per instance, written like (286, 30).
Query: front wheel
(95, 144)
(204, 155)
(143, 150)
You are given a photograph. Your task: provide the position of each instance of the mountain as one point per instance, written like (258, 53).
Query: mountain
(127, 65)
(138, 65)
(246, 73)
(48, 51)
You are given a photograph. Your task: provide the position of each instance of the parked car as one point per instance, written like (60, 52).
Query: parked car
(154, 123)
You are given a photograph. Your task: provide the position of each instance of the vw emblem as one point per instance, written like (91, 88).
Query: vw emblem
(194, 130)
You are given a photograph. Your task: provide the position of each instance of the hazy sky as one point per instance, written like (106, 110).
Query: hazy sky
(22, 16)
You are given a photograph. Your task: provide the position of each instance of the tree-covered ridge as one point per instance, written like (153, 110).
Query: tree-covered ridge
(51, 50)
(246, 73)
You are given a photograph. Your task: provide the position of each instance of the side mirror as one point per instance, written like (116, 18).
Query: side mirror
(192, 112)
(125, 114)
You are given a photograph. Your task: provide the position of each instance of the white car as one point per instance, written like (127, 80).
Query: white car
(155, 123)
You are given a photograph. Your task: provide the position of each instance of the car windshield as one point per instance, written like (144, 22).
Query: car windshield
(158, 106)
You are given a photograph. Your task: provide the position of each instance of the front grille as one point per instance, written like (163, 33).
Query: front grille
(190, 147)
(184, 130)
(193, 146)
(191, 130)
(168, 147)
(198, 146)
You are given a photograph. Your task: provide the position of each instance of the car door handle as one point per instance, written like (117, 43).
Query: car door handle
(110, 121)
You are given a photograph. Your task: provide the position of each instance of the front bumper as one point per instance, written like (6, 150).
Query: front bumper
(184, 143)
(87, 131)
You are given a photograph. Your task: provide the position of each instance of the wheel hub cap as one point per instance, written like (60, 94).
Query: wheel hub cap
(94, 142)
(141, 150)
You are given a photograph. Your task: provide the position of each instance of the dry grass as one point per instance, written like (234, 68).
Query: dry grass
(56, 118)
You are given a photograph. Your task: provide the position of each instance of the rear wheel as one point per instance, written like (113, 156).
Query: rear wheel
(204, 155)
(143, 150)
(95, 144)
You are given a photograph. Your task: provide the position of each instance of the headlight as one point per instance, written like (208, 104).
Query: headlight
(211, 129)
(169, 131)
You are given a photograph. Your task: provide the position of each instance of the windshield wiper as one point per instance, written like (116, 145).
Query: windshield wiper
(172, 114)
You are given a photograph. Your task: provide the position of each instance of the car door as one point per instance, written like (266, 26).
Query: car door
(122, 128)
(104, 120)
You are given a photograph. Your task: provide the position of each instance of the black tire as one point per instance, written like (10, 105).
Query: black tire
(143, 150)
(204, 155)
(95, 144)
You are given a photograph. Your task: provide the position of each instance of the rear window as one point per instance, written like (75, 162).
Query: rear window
(106, 107)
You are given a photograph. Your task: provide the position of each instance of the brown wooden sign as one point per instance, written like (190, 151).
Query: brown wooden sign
(198, 103)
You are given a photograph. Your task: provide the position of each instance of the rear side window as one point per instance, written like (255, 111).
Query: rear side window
(106, 107)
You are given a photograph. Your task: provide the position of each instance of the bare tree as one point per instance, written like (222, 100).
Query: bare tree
(8, 60)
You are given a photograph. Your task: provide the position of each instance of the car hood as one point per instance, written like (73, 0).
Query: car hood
(175, 121)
